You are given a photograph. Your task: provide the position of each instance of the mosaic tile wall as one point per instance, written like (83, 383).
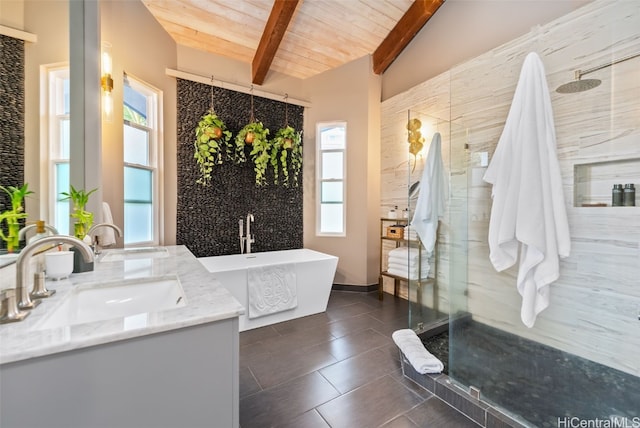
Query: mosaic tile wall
(207, 217)
(11, 116)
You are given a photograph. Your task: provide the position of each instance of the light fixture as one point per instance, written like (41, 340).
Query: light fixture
(107, 82)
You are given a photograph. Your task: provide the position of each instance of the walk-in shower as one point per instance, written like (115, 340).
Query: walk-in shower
(578, 363)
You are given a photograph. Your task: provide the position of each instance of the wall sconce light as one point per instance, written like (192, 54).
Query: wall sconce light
(107, 82)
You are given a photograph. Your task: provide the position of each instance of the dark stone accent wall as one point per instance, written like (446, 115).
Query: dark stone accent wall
(11, 117)
(207, 217)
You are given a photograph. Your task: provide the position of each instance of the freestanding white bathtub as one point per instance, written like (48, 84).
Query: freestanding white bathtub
(314, 272)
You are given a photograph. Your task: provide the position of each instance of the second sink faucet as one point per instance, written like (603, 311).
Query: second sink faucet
(95, 241)
(247, 239)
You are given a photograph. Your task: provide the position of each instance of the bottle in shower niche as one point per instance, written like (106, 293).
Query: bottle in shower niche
(629, 195)
(616, 195)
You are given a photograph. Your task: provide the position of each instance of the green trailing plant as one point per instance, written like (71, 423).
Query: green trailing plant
(286, 156)
(13, 216)
(84, 218)
(211, 146)
(256, 135)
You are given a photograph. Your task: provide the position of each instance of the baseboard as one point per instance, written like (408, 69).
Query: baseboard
(358, 288)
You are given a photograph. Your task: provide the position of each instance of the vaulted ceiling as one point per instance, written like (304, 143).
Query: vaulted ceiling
(299, 38)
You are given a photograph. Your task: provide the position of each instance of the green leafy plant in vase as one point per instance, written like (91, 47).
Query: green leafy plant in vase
(255, 135)
(13, 216)
(286, 156)
(211, 146)
(84, 218)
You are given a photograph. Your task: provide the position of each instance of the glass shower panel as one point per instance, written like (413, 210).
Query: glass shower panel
(587, 338)
(427, 263)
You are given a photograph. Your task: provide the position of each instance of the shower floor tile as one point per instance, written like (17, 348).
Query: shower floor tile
(537, 382)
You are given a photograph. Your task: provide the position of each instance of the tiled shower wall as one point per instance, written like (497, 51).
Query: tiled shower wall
(207, 217)
(11, 116)
(594, 305)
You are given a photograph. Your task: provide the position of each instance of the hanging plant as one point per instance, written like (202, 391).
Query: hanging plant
(286, 156)
(256, 135)
(212, 143)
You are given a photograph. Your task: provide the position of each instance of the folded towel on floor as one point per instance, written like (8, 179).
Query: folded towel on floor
(412, 348)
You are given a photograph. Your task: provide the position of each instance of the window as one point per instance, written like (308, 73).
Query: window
(331, 146)
(141, 152)
(57, 144)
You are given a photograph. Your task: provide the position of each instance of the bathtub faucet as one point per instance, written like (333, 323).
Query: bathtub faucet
(247, 239)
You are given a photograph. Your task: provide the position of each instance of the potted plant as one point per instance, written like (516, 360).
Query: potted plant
(13, 216)
(211, 145)
(286, 156)
(84, 218)
(256, 135)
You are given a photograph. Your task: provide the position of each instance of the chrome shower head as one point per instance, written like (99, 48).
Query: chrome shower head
(578, 85)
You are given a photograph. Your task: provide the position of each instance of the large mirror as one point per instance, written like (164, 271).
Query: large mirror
(44, 83)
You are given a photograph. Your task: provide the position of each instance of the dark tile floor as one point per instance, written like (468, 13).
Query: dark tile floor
(336, 369)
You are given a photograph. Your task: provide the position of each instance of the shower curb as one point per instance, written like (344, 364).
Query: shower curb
(460, 399)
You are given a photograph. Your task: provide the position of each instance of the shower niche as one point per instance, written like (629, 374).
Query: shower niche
(594, 181)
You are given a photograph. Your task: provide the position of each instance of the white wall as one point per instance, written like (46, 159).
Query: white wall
(142, 49)
(463, 29)
(49, 21)
(594, 305)
(350, 93)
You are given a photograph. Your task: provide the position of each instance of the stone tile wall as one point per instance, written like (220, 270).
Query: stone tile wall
(207, 217)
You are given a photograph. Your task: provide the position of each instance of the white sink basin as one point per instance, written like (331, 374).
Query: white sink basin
(134, 253)
(114, 299)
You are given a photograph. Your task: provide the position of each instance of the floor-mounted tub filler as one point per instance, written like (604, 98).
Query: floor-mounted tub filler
(275, 286)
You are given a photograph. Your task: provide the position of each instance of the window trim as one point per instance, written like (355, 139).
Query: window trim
(50, 100)
(154, 127)
(319, 180)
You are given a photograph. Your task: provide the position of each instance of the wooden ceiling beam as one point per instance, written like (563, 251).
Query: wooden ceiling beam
(404, 31)
(274, 31)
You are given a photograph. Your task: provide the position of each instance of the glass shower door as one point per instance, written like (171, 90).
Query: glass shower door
(427, 261)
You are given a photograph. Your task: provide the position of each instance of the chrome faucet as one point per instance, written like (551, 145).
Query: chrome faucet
(249, 239)
(23, 232)
(246, 240)
(95, 241)
(22, 264)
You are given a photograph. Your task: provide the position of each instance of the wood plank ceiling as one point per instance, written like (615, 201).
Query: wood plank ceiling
(299, 38)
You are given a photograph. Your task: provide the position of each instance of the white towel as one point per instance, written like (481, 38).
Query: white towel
(431, 200)
(272, 289)
(412, 348)
(409, 273)
(410, 234)
(107, 235)
(528, 214)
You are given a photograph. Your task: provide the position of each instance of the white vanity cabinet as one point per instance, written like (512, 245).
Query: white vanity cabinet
(180, 378)
(165, 367)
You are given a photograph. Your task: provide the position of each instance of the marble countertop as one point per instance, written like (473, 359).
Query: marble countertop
(207, 301)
